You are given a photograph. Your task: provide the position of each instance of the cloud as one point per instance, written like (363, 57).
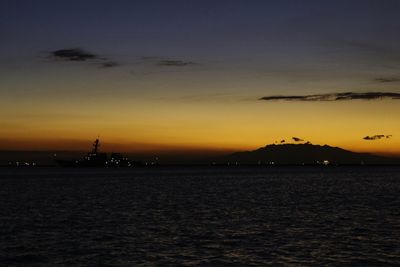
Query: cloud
(81, 55)
(157, 64)
(151, 65)
(175, 63)
(334, 96)
(377, 137)
(296, 139)
(73, 54)
(283, 141)
(109, 64)
(387, 79)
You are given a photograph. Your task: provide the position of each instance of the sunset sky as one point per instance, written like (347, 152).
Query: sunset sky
(199, 75)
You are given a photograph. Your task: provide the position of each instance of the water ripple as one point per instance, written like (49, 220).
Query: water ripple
(200, 217)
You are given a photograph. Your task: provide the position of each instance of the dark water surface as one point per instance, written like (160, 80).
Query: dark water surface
(289, 216)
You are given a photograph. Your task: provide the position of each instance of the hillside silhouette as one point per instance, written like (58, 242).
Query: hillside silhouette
(299, 154)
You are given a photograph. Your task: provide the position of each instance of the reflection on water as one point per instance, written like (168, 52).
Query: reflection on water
(200, 217)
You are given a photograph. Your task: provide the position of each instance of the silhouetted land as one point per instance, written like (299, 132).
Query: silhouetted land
(308, 154)
(285, 154)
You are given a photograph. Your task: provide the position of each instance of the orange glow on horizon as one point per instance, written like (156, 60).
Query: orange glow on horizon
(149, 125)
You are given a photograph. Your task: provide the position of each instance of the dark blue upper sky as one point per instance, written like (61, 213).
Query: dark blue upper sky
(349, 41)
(205, 29)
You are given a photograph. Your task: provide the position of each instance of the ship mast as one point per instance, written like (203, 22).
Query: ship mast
(96, 145)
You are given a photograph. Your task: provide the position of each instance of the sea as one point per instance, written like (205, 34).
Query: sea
(200, 216)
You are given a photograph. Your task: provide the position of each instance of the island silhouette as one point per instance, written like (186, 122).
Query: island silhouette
(305, 154)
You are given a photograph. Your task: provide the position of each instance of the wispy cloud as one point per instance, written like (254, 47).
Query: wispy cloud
(334, 96)
(387, 79)
(81, 55)
(175, 63)
(168, 62)
(73, 54)
(377, 137)
(109, 64)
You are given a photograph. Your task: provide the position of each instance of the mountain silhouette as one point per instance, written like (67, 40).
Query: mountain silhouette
(309, 154)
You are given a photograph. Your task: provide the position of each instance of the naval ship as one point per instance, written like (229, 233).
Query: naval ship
(95, 158)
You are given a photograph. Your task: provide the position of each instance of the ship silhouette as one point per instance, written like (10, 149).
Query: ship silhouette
(95, 158)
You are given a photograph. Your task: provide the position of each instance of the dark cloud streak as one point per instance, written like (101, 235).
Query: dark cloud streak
(334, 96)
(376, 137)
(81, 55)
(175, 63)
(73, 54)
(109, 64)
(388, 79)
(167, 62)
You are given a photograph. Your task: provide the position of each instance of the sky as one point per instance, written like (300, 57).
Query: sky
(217, 76)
